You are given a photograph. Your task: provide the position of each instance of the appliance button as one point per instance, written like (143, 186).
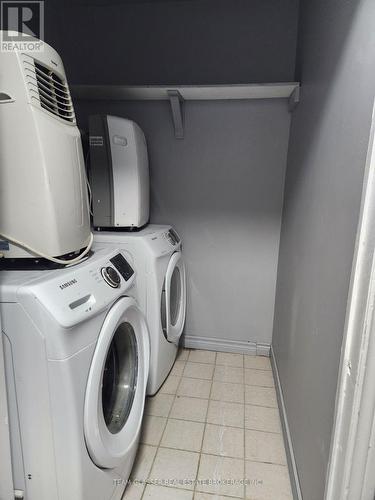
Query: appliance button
(111, 276)
(120, 141)
(170, 238)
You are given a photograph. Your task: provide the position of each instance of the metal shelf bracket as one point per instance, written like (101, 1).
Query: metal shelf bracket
(294, 99)
(177, 104)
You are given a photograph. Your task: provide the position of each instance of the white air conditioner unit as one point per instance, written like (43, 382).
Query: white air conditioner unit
(119, 173)
(43, 194)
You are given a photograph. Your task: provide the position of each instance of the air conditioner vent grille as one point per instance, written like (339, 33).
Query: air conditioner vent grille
(49, 90)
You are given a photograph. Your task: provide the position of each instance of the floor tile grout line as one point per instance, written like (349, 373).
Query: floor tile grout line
(199, 492)
(266, 370)
(166, 422)
(266, 432)
(161, 437)
(218, 456)
(224, 382)
(218, 401)
(202, 362)
(204, 433)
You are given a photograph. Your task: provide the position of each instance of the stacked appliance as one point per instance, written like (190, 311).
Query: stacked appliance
(76, 343)
(161, 290)
(76, 356)
(43, 196)
(120, 200)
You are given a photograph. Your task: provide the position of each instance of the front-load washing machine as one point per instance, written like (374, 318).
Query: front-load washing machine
(161, 285)
(77, 357)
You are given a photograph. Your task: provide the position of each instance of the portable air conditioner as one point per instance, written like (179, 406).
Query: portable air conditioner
(43, 194)
(119, 175)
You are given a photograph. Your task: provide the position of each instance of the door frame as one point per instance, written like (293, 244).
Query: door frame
(352, 456)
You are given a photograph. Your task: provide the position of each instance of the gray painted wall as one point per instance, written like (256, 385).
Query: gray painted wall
(170, 42)
(221, 187)
(329, 138)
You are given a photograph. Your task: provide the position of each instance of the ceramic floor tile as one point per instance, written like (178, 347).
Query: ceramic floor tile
(221, 472)
(260, 396)
(263, 378)
(193, 409)
(208, 496)
(199, 370)
(223, 391)
(229, 359)
(195, 388)
(152, 430)
(224, 413)
(177, 467)
(182, 354)
(267, 482)
(143, 462)
(183, 435)
(197, 420)
(153, 492)
(133, 491)
(260, 418)
(231, 374)
(198, 356)
(264, 447)
(178, 368)
(170, 385)
(159, 405)
(223, 441)
(257, 362)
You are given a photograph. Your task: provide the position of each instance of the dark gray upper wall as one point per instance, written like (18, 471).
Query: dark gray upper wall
(222, 185)
(327, 153)
(174, 42)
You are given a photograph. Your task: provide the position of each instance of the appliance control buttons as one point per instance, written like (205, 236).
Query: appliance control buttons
(175, 236)
(111, 276)
(171, 238)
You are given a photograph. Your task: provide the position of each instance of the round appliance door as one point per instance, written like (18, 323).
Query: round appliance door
(116, 386)
(175, 298)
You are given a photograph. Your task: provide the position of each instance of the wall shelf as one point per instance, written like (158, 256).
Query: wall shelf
(178, 94)
(187, 92)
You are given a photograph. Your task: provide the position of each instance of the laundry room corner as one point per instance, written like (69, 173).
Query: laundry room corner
(222, 188)
(186, 249)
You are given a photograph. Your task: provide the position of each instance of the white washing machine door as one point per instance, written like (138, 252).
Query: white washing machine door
(116, 386)
(175, 298)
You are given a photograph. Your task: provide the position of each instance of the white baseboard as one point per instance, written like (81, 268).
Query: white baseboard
(236, 346)
(296, 489)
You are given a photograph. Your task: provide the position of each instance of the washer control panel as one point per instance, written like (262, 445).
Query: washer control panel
(74, 293)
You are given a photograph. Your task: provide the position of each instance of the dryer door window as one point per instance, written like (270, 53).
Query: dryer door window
(120, 378)
(175, 297)
(173, 300)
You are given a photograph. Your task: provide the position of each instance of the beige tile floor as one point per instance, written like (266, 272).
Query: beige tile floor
(212, 432)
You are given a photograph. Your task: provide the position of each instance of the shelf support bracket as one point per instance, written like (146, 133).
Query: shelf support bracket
(177, 103)
(294, 99)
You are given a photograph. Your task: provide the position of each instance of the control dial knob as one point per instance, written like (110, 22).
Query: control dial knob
(111, 276)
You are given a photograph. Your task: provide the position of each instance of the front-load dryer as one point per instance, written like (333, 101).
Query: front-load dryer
(77, 358)
(161, 285)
